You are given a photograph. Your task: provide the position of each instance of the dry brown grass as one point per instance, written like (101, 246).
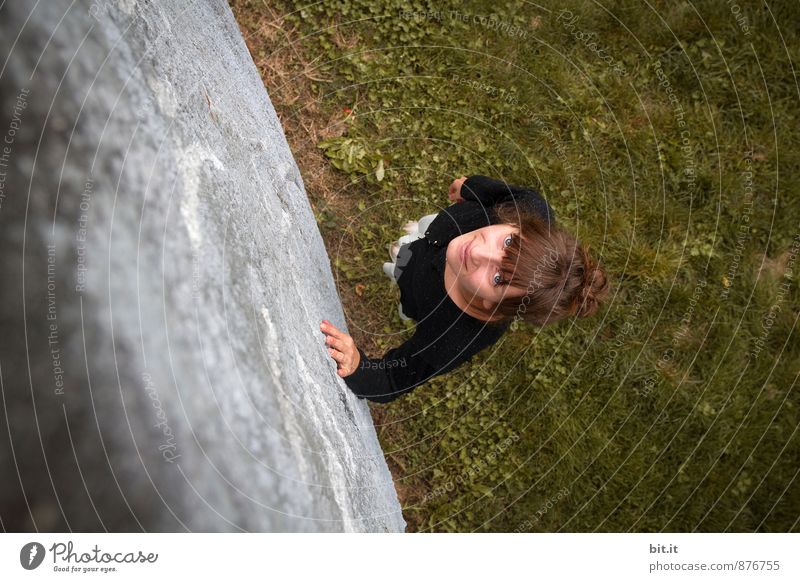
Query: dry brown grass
(772, 268)
(292, 78)
(409, 492)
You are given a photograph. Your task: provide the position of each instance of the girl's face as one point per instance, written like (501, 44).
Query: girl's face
(477, 273)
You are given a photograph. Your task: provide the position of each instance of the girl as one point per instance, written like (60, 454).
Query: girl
(494, 257)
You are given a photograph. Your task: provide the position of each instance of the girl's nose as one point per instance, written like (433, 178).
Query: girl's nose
(483, 254)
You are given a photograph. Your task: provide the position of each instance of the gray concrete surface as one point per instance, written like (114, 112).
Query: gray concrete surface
(163, 279)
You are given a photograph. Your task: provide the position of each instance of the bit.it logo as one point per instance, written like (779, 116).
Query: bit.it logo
(31, 555)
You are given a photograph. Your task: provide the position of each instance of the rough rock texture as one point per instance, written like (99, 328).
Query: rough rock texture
(163, 280)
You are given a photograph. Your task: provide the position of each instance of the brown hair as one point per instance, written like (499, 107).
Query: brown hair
(559, 277)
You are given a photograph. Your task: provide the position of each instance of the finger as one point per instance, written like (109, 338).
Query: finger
(336, 355)
(330, 329)
(342, 343)
(334, 343)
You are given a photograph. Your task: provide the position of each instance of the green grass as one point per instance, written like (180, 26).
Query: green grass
(703, 442)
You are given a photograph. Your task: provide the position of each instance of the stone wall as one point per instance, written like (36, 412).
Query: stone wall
(163, 280)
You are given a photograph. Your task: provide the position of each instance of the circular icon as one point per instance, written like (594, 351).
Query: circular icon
(31, 555)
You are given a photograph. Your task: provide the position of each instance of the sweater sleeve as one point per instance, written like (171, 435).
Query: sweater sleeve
(398, 372)
(490, 192)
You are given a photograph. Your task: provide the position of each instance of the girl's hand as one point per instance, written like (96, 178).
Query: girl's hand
(341, 348)
(455, 189)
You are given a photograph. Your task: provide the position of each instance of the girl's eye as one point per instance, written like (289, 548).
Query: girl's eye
(498, 278)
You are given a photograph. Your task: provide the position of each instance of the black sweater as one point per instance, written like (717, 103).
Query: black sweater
(445, 336)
